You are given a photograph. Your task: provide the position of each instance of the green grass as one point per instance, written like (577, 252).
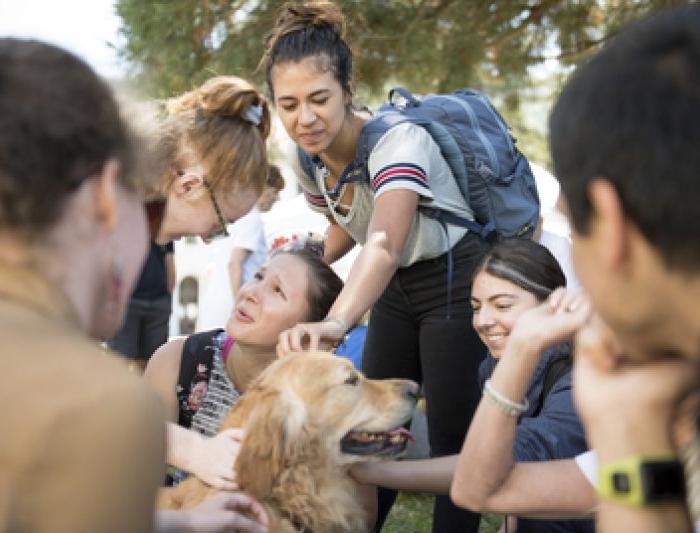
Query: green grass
(412, 513)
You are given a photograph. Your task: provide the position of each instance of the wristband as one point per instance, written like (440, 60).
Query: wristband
(337, 321)
(506, 405)
(642, 480)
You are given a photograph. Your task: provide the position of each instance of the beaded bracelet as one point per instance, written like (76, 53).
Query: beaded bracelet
(506, 405)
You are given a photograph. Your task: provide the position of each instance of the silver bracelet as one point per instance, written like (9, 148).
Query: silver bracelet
(506, 405)
(337, 321)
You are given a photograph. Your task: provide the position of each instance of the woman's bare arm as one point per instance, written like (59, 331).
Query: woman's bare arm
(162, 373)
(337, 242)
(387, 233)
(487, 477)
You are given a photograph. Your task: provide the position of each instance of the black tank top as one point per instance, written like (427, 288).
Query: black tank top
(205, 393)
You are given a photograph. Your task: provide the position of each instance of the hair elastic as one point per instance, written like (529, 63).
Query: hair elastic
(253, 114)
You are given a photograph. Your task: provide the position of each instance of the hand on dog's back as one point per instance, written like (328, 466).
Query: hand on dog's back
(213, 459)
(227, 512)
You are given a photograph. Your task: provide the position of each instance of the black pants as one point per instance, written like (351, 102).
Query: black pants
(411, 337)
(145, 328)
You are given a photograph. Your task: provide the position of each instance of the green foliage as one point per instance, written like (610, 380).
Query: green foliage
(429, 45)
(413, 513)
(426, 45)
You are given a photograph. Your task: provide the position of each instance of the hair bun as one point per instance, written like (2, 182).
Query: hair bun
(296, 16)
(315, 28)
(228, 97)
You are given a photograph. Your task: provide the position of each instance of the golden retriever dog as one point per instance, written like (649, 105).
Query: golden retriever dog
(307, 418)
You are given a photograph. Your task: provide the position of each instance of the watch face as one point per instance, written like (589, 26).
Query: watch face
(621, 483)
(663, 480)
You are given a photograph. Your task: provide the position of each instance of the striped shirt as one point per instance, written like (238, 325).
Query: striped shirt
(405, 157)
(205, 392)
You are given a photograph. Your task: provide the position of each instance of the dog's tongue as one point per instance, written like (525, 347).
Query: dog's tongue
(403, 432)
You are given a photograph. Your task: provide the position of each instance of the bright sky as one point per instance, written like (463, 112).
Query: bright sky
(85, 27)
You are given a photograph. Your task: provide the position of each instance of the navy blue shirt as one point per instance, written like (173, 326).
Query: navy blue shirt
(547, 432)
(153, 282)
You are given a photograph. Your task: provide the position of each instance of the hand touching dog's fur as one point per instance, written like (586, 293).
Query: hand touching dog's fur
(307, 418)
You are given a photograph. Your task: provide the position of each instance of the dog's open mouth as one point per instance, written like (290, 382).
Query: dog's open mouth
(367, 443)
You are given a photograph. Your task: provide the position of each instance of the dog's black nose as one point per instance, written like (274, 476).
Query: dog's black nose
(412, 390)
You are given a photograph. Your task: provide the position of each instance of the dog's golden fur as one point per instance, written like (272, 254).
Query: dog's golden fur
(295, 415)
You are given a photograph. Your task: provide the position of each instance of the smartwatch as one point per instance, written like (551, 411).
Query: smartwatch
(642, 480)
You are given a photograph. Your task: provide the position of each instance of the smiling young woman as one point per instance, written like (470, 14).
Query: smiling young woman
(526, 421)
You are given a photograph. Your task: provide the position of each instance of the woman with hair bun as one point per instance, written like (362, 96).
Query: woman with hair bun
(211, 167)
(213, 159)
(412, 272)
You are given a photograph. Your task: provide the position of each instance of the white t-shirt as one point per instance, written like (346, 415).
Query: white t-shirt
(587, 462)
(216, 301)
(405, 157)
(560, 247)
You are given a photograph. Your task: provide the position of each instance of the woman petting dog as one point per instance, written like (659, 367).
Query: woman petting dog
(526, 319)
(201, 376)
(417, 326)
(308, 417)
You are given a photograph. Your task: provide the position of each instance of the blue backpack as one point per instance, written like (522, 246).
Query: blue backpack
(492, 174)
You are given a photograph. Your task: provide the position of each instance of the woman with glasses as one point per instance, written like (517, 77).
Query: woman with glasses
(213, 139)
(213, 167)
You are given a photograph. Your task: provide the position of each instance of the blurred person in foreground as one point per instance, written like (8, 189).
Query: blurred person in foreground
(83, 450)
(624, 137)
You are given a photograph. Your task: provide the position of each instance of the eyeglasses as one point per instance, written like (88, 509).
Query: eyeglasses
(222, 231)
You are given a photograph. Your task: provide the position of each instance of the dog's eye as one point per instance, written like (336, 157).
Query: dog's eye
(352, 380)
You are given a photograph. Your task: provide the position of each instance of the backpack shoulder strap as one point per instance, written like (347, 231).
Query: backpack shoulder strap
(554, 373)
(306, 163)
(372, 131)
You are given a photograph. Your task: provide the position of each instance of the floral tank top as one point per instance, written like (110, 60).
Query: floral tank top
(205, 393)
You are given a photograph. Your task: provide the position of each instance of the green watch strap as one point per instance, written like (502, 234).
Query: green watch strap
(642, 480)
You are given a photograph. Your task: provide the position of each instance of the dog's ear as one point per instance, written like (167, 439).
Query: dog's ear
(274, 437)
